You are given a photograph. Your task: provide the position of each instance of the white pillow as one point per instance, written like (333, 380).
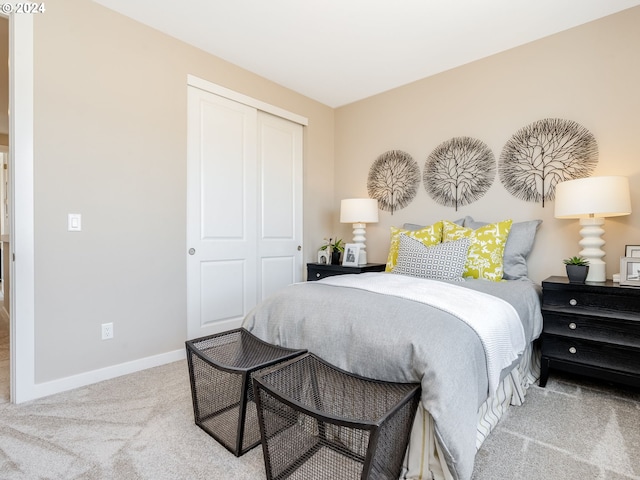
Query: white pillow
(444, 261)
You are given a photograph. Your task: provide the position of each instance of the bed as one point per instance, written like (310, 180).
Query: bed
(468, 341)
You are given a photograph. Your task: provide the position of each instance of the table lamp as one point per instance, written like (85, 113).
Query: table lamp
(359, 211)
(592, 199)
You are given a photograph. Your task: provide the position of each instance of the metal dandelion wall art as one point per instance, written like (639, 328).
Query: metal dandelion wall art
(459, 171)
(393, 180)
(541, 155)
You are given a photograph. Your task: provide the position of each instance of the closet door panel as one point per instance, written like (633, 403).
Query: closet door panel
(221, 213)
(280, 216)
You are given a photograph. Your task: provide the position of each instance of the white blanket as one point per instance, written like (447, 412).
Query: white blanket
(495, 321)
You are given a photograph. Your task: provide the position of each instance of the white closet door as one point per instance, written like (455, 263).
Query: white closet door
(280, 216)
(221, 213)
(244, 209)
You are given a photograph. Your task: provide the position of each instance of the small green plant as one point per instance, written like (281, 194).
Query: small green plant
(337, 246)
(576, 261)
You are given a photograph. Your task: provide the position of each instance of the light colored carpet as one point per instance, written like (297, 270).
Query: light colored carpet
(140, 426)
(572, 429)
(135, 427)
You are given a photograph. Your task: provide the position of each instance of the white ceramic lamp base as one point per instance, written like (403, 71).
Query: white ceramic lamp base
(359, 230)
(591, 244)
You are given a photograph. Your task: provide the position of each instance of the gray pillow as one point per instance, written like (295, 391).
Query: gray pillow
(518, 247)
(415, 226)
(444, 261)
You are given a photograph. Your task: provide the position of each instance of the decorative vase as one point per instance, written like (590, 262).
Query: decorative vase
(577, 273)
(335, 257)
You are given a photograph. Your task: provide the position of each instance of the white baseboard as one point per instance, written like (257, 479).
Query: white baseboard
(75, 381)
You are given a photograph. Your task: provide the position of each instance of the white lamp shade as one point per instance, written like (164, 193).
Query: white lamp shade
(593, 197)
(359, 210)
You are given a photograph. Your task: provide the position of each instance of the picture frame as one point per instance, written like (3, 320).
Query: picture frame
(350, 255)
(632, 251)
(630, 271)
(324, 256)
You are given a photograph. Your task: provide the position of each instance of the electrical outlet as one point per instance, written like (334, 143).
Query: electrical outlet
(107, 331)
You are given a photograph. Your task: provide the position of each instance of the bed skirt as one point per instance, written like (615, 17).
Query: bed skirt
(424, 460)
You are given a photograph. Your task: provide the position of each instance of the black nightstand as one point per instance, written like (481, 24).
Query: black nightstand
(316, 271)
(591, 329)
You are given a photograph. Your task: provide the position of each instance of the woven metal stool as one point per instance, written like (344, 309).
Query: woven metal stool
(220, 369)
(322, 423)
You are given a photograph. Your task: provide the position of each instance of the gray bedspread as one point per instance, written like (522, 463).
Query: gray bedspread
(394, 339)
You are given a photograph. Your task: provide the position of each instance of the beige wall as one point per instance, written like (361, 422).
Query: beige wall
(110, 143)
(590, 74)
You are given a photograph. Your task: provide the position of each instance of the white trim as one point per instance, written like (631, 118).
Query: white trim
(94, 376)
(245, 100)
(21, 233)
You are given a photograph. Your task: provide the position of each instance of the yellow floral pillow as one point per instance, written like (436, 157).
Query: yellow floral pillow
(485, 257)
(430, 235)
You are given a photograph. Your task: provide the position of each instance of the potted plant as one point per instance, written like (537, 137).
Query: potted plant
(577, 269)
(336, 248)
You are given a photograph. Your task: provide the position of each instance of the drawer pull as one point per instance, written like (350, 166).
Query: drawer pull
(573, 302)
(572, 350)
(317, 275)
(573, 326)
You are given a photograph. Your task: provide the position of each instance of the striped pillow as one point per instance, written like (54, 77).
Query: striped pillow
(444, 261)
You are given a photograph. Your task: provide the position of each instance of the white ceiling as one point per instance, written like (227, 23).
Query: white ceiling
(340, 51)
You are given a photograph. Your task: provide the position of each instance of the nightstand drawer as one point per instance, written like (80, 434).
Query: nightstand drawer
(590, 327)
(583, 301)
(317, 274)
(318, 271)
(603, 355)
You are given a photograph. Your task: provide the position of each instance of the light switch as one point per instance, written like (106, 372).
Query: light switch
(75, 222)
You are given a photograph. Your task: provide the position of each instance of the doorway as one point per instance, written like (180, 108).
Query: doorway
(5, 391)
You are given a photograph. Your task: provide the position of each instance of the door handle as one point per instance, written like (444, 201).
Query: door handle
(192, 251)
